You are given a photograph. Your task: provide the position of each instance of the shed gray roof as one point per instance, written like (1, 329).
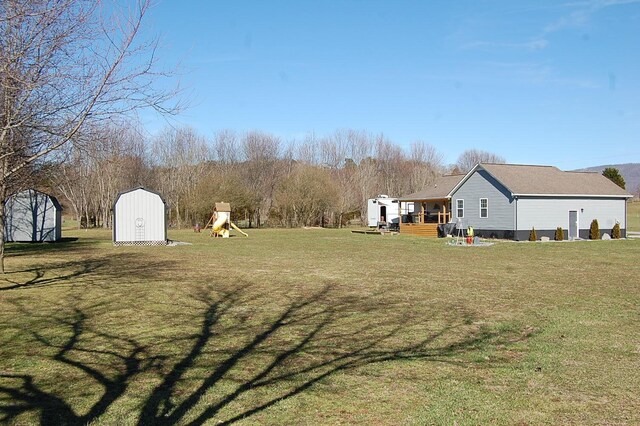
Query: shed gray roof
(438, 190)
(29, 193)
(549, 180)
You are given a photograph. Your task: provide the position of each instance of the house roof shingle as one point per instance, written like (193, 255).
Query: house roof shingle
(522, 179)
(223, 207)
(549, 180)
(438, 190)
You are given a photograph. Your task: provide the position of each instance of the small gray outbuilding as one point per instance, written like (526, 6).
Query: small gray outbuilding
(32, 216)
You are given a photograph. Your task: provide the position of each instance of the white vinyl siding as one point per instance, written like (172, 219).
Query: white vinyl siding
(484, 208)
(32, 216)
(460, 209)
(139, 216)
(550, 213)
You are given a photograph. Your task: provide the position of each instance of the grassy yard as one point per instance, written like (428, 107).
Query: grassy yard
(633, 216)
(319, 327)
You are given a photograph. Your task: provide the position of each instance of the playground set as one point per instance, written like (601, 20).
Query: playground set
(220, 221)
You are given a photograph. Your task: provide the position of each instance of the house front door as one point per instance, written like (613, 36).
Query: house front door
(573, 224)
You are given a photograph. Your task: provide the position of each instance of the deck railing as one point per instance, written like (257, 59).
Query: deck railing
(420, 218)
(444, 217)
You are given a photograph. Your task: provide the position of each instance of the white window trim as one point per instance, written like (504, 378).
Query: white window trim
(458, 208)
(480, 210)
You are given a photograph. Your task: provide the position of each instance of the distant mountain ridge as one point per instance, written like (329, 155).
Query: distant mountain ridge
(629, 171)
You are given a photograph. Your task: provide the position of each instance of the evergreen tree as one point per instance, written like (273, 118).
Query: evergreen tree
(615, 232)
(614, 176)
(594, 230)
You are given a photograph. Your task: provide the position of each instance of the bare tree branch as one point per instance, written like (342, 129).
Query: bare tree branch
(65, 64)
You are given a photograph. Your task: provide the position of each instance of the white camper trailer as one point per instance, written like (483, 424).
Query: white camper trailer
(383, 209)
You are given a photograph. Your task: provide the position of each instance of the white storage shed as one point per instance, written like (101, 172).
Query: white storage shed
(139, 218)
(32, 216)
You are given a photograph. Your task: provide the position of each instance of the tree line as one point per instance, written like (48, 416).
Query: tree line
(315, 181)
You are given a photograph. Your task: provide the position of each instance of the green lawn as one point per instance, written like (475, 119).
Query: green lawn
(319, 327)
(633, 216)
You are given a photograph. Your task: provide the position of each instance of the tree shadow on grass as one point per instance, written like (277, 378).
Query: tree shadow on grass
(88, 270)
(245, 356)
(127, 355)
(34, 248)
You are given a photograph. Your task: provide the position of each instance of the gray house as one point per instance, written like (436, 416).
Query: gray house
(508, 200)
(32, 216)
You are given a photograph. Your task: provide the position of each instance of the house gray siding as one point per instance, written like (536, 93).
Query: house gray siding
(32, 216)
(513, 216)
(500, 222)
(548, 213)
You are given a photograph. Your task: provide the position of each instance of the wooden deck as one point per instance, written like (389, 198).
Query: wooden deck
(421, 229)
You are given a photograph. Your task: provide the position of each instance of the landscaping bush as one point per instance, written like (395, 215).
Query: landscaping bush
(594, 230)
(532, 235)
(615, 232)
(559, 234)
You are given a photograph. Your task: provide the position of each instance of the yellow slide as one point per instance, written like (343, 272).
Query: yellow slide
(233, 225)
(218, 225)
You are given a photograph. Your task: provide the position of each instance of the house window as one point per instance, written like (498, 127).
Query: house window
(484, 208)
(460, 208)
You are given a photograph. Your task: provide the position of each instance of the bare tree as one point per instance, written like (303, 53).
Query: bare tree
(63, 64)
(108, 160)
(308, 151)
(425, 164)
(303, 198)
(334, 149)
(72, 180)
(226, 148)
(262, 168)
(181, 155)
(391, 166)
(117, 153)
(468, 159)
(348, 156)
(221, 183)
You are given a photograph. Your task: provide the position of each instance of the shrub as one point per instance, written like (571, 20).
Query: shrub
(559, 234)
(615, 232)
(594, 230)
(532, 235)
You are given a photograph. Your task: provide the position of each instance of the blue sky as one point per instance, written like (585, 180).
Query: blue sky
(538, 82)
